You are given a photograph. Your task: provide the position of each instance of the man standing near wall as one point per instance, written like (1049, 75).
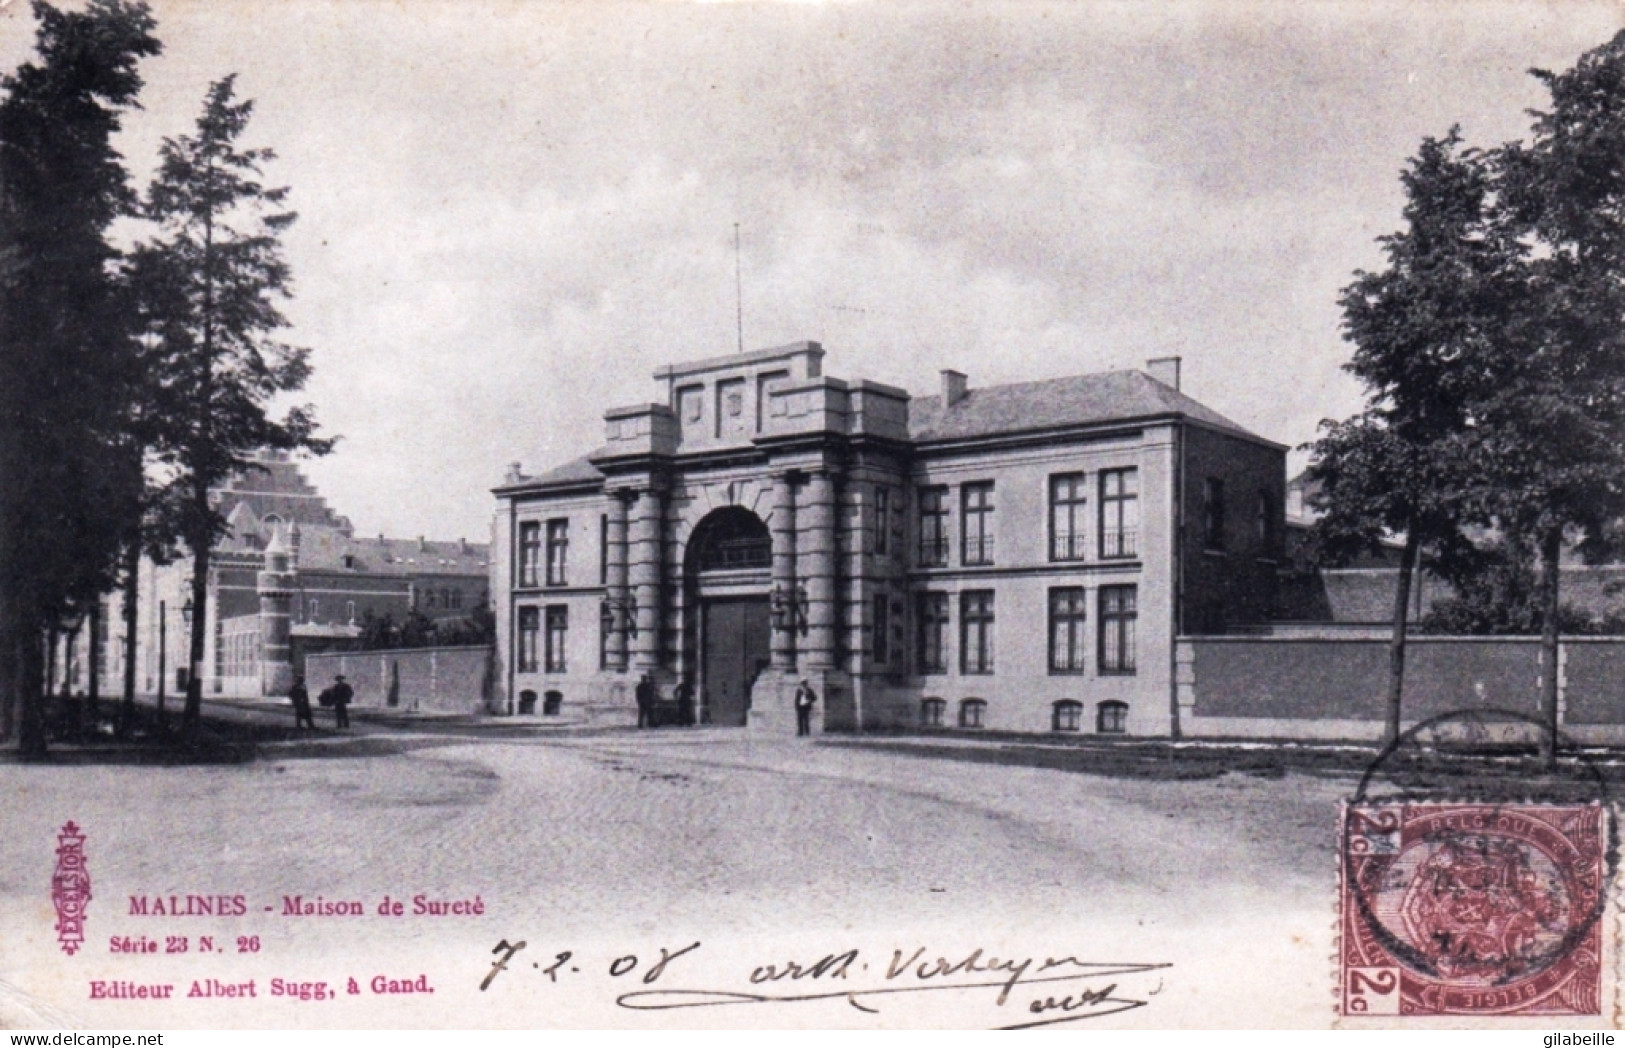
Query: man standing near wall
(806, 698)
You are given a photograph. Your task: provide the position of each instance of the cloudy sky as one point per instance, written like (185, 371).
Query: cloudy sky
(512, 212)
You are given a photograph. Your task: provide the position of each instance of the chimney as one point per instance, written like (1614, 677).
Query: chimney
(514, 475)
(423, 544)
(462, 545)
(953, 387)
(1164, 370)
(381, 539)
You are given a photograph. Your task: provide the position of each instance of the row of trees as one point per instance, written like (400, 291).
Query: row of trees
(134, 378)
(1492, 349)
(417, 630)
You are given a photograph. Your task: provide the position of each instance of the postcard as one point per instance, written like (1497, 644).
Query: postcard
(780, 515)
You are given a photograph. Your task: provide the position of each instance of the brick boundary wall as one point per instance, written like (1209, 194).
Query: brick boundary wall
(440, 680)
(1336, 688)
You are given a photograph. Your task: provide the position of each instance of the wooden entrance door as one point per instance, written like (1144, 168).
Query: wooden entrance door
(734, 649)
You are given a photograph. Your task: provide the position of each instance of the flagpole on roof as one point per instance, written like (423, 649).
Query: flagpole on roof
(739, 293)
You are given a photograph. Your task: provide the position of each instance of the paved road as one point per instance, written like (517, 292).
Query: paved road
(615, 843)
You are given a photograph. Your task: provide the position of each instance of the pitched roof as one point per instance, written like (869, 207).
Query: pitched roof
(324, 549)
(576, 471)
(1078, 400)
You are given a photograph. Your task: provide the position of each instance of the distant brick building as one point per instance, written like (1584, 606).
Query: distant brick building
(1016, 557)
(333, 578)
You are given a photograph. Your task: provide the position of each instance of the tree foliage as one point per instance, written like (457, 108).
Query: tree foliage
(210, 286)
(1422, 329)
(69, 370)
(1504, 373)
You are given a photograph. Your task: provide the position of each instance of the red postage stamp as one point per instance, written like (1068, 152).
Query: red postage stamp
(1472, 909)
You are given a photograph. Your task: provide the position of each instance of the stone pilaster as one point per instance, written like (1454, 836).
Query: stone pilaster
(783, 643)
(616, 561)
(644, 572)
(815, 549)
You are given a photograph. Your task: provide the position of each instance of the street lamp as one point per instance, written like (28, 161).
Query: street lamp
(163, 655)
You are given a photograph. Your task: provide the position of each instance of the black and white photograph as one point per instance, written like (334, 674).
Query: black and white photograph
(658, 514)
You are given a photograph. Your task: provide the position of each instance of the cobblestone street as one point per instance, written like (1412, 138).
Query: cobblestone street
(764, 850)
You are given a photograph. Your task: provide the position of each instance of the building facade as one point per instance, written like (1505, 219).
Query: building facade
(291, 577)
(1016, 557)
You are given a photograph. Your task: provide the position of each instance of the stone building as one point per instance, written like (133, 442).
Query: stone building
(1015, 557)
(327, 579)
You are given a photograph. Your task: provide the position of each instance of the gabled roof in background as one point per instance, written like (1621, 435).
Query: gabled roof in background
(1051, 403)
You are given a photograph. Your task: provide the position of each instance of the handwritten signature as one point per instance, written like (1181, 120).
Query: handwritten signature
(1073, 989)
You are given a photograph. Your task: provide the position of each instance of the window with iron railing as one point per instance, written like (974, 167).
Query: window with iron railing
(1119, 513)
(1068, 506)
(530, 552)
(976, 505)
(933, 527)
(558, 551)
(736, 554)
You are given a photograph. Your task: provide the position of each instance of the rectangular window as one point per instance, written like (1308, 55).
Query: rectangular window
(1119, 512)
(1068, 617)
(933, 527)
(933, 623)
(1213, 514)
(530, 624)
(882, 628)
(530, 552)
(558, 548)
(603, 549)
(558, 624)
(882, 519)
(1118, 611)
(1068, 502)
(976, 543)
(976, 632)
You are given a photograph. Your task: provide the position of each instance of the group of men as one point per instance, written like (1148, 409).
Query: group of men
(338, 697)
(648, 695)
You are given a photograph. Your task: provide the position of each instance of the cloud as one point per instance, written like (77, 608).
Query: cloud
(512, 213)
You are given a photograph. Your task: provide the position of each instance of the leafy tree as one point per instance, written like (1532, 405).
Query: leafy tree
(1549, 434)
(67, 361)
(1421, 328)
(210, 284)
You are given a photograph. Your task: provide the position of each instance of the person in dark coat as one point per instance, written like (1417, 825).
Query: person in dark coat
(343, 695)
(302, 715)
(645, 693)
(685, 703)
(805, 699)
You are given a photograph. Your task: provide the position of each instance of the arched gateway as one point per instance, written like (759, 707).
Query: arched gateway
(726, 571)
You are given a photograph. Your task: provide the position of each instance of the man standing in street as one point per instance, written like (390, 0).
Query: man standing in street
(302, 716)
(645, 694)
(343, 695)
(805, 698)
